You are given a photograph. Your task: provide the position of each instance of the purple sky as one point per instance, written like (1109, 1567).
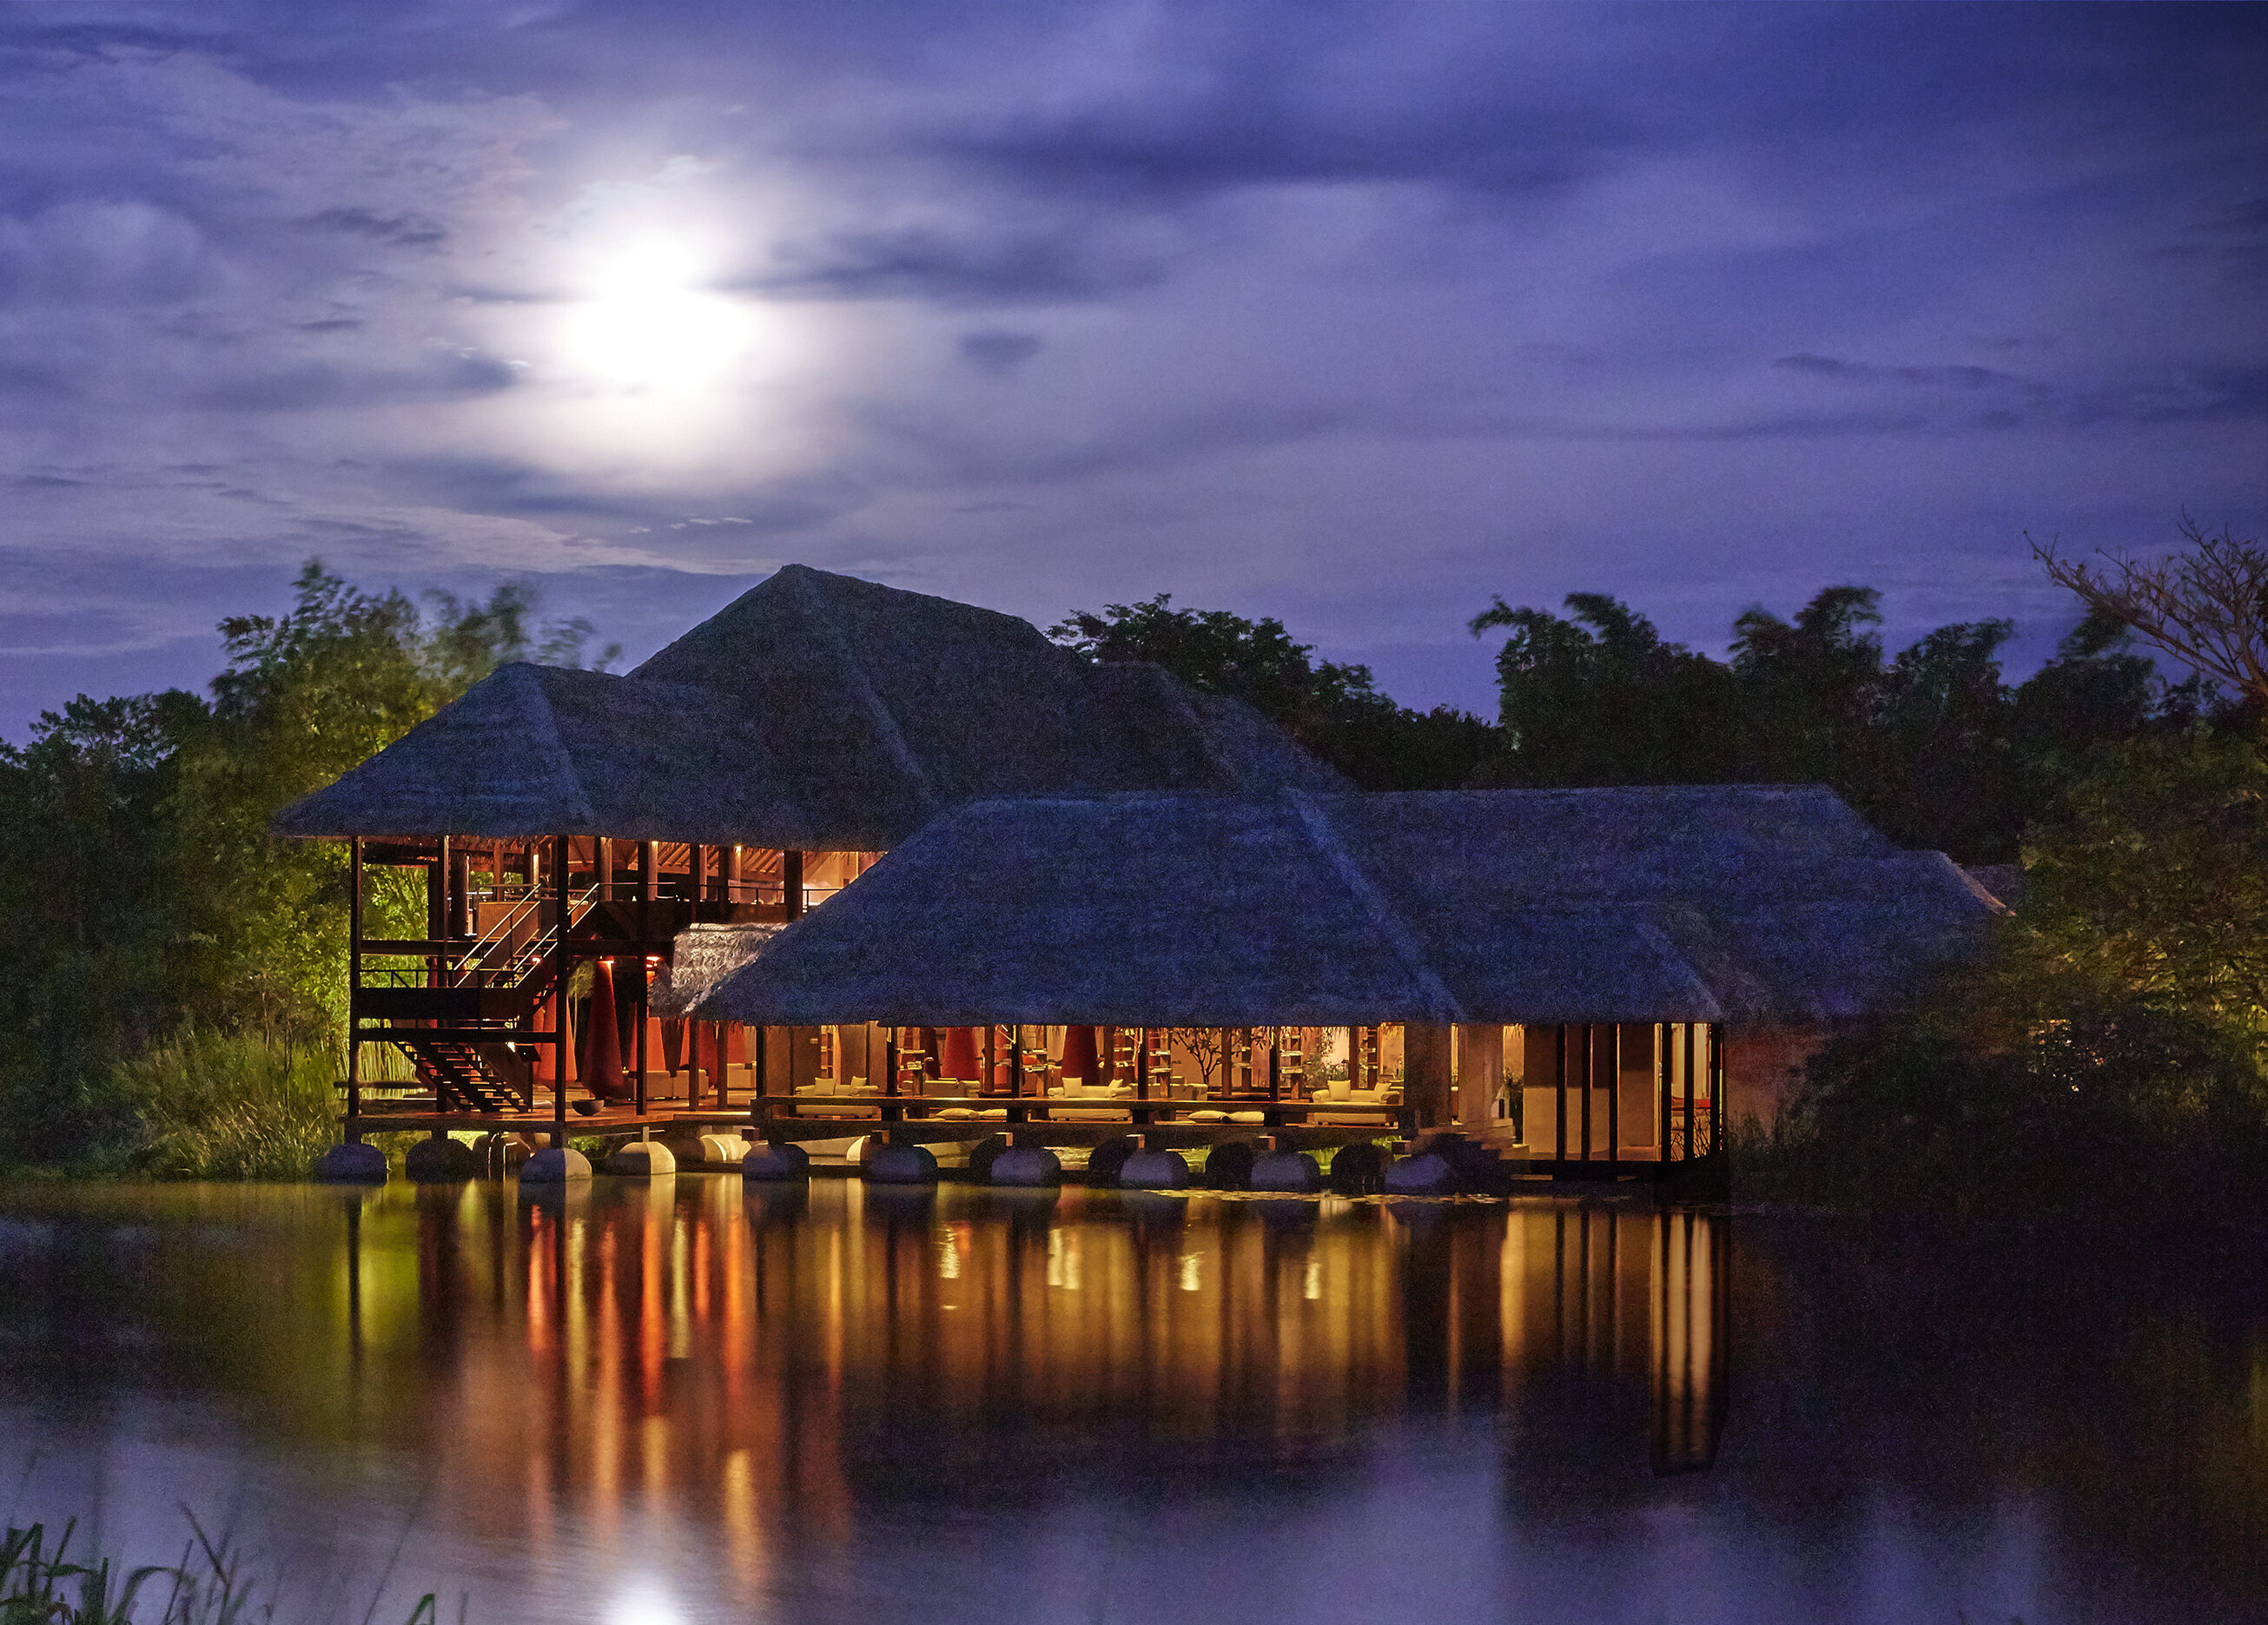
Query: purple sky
(1354, 314)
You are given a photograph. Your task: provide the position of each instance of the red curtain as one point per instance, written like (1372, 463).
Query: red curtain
(602, 1038)
(1082, 1060)
(959, 1062)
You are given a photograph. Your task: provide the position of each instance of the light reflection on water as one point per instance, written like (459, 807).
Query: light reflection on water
(679, 1401)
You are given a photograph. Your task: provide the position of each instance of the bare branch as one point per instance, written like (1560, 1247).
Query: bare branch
(2207, 605)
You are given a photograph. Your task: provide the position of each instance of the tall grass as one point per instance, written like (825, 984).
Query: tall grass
(211, 1585)
(234, 1105)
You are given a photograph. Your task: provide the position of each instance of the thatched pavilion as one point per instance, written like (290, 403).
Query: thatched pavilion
(1584, 969)
(566, 818)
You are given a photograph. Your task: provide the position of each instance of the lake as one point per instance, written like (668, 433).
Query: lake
(682, 1402)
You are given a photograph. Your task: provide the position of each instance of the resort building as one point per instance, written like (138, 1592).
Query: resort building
(1109, 904)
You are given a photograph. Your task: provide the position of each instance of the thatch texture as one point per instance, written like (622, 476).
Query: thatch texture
(815, 712)
(701, 957)
(1739, 903)
(534, 750)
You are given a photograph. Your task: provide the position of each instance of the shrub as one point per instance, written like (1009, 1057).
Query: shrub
(234, 1105)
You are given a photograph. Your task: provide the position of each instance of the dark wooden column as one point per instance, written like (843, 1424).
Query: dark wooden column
(559, 998)
(1716, 1089)
(354, 984)
(1590, 1046)
(792, 883)
(1615, 1093)
(1692, 1077)
(728, 882)
(1662, 1032)
(639, 1049)
(460, 890)
(1426, 1069)
(1559, 1077)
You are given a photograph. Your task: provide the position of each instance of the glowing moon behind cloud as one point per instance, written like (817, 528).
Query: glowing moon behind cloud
(649, 325)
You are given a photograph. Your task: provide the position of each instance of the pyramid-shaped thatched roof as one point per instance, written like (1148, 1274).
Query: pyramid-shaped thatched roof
(815, 712)
(1717, 903)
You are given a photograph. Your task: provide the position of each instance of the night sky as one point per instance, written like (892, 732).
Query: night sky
(1354, 314)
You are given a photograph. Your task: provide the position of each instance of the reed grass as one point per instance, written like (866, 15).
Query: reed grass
(211, 1584)
(234, 1105)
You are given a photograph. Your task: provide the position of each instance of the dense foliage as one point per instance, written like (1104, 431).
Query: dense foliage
(1334, 709)
(1931, 744)
(2111, 1053)
(143, 892)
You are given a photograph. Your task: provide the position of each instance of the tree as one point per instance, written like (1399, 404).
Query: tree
(1930, 745)
(1333, 708)
(142, 890)
(2207, 606)
(1600, 698)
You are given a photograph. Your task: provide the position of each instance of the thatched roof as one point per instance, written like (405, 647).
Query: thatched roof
(1736, 903)
(532, 750)
(815, 712)
(701, 957)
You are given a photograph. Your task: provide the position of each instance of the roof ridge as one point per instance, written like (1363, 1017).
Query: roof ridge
(565, 758)
(805, 586)
(1374, 903)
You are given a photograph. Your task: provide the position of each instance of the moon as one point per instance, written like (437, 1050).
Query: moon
(652, 325)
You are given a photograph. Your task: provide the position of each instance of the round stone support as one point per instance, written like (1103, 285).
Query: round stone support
(1358, 1170)
(903, 1165)
(1228, 1165)
(555, 1165)
(1295, 1172)
(777, 1164)
(1426, 1175)
(1027, 1165)
(441, 1162)
(642, 1160)
(351, 1163)
(1149, 1170)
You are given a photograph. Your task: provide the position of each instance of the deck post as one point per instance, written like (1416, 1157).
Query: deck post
(1480, 1074)
(1614, 1098)
(639, 1049)
(1559, 1112)
(792, 883)
(461, 891)
(354, 989)
(1590, 1080)
(729, 861)
(566, 970)
(1275, 1063)
(1716, 1089)
(1661, 1036)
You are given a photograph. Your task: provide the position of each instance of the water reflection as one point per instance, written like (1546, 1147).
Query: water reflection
(650, 1400)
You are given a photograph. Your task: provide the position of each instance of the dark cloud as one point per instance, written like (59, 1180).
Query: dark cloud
(1355, 311)
(999, 352)
(400, 230)
(315, 384)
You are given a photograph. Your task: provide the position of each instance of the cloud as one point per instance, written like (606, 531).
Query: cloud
(1354, 314)
(998, 352)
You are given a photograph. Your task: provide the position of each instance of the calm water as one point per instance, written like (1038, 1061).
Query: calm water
(678, 1402)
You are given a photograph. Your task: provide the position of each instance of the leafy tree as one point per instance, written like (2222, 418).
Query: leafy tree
(1600, 698)
(1931, 744)
(143, 891)
(2110, 1050)
(1333, 708)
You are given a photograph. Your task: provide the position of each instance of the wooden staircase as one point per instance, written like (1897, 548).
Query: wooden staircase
(472, 1076)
